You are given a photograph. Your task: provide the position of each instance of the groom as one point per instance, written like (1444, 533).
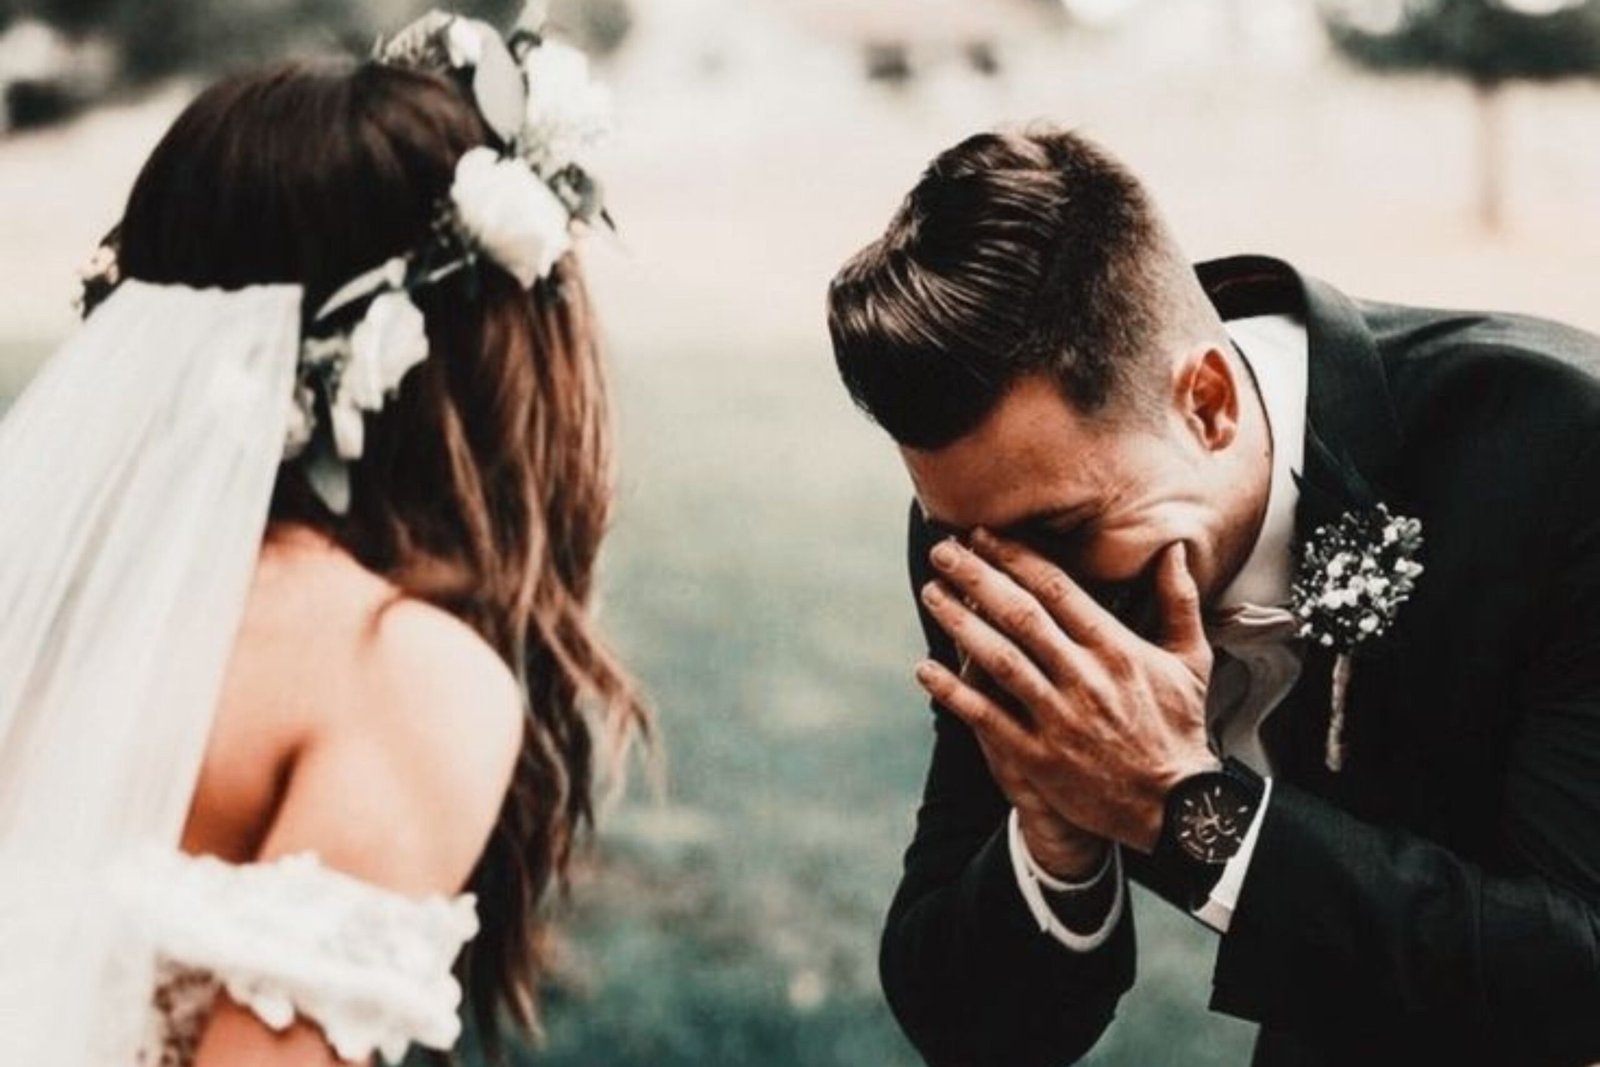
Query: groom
(1375, 773)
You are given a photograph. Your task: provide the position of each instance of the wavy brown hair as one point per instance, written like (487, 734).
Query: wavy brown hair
(485, 487)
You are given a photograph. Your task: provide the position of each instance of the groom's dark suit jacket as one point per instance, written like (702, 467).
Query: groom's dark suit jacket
(1439, 900)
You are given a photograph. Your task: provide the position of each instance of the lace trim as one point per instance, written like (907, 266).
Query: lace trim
(292, 938)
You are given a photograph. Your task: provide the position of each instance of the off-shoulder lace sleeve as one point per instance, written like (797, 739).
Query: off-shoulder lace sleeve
(292, 938)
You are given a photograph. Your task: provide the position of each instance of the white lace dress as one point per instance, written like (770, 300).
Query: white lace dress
(292, 940)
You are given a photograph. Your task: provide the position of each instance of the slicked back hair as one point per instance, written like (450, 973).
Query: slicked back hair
(1016, 254)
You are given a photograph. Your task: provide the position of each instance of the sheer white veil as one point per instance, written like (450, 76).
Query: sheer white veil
(135, 477)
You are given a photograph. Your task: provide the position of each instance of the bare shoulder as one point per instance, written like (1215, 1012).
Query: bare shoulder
(430, 678)
(406, 723)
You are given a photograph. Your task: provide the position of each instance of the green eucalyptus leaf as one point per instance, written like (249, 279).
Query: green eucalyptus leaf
(502, 94)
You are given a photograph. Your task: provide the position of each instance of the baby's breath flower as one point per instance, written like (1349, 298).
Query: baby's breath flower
(1354, 575)
(1352, 579)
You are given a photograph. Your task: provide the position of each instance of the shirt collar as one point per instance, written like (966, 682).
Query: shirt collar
(1276, 352)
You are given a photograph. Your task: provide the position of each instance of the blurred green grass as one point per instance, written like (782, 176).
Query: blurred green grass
(755, 581)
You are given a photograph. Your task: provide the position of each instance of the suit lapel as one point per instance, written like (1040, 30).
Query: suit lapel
(1352, 432)
(1352, 443)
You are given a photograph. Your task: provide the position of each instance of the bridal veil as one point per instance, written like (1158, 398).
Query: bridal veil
(135, 478)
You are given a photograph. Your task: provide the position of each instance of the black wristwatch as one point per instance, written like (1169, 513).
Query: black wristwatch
(1203, 826)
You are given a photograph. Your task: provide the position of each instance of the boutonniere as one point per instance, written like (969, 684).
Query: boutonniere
(1352, 579)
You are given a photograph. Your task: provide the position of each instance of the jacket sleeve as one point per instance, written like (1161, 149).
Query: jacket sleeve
(1343, 927)
(967, 972)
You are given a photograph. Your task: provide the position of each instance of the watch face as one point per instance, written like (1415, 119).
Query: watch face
(1210, 820)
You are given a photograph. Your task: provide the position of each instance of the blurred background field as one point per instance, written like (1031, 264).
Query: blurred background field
(756, 576)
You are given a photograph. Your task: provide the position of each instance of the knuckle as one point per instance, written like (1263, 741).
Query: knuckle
(1117, 662)
(1094, 634)
(1098, 687)
(1033, 760)
(1022, 618)
(1056, 588)
(1108, 689)
(1006, 666)
(976, 714)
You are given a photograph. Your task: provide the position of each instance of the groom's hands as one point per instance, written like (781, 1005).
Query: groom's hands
(1063, 850)
(1112, 720)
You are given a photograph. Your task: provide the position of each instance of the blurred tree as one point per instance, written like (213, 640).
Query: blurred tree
(983, 57)
(600, 26)
(889, 63)
(157, 38)
(597, 26)
(1486, 42)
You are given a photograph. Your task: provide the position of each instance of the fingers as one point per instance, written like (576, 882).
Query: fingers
(1009, 607)
(986, 717)
(1183, 630)
(989, 650)
(1083, 618)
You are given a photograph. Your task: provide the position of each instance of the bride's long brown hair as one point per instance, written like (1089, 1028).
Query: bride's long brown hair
(485, 486)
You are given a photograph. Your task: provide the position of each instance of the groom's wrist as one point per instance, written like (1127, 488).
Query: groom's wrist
(1061, 853)
(1079, 914)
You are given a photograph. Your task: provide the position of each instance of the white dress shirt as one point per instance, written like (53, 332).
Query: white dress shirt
(1252, 675)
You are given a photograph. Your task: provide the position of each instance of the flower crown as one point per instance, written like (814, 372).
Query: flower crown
(517, 203)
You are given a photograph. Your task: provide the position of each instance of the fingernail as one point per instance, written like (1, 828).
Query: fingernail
(945, 555)
(931, 593)
(925, 672)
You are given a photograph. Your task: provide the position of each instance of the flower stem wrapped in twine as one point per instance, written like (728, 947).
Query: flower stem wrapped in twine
(1352, 579)
(1334, 755)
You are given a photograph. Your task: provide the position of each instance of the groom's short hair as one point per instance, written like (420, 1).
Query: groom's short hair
(1017, 253)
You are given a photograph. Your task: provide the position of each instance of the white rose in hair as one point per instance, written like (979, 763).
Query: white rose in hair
(389, 341)
(464, 41)
(510, 214)
(568, 112)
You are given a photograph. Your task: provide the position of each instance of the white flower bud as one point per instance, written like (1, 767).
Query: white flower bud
(510, 214)
(464, 41)
(387, 343)
(568, 113)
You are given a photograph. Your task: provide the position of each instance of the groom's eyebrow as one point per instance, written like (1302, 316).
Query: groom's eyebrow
(1049, 517)
(1032, 521)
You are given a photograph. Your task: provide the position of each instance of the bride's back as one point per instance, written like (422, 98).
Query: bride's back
(414, 717)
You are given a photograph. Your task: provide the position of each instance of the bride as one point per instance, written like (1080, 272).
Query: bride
(296, 541)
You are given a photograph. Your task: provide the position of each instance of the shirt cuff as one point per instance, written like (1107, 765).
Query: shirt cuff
(1033, 881)
(1217, 911)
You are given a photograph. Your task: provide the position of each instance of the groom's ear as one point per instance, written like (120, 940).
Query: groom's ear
(1207, 387)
